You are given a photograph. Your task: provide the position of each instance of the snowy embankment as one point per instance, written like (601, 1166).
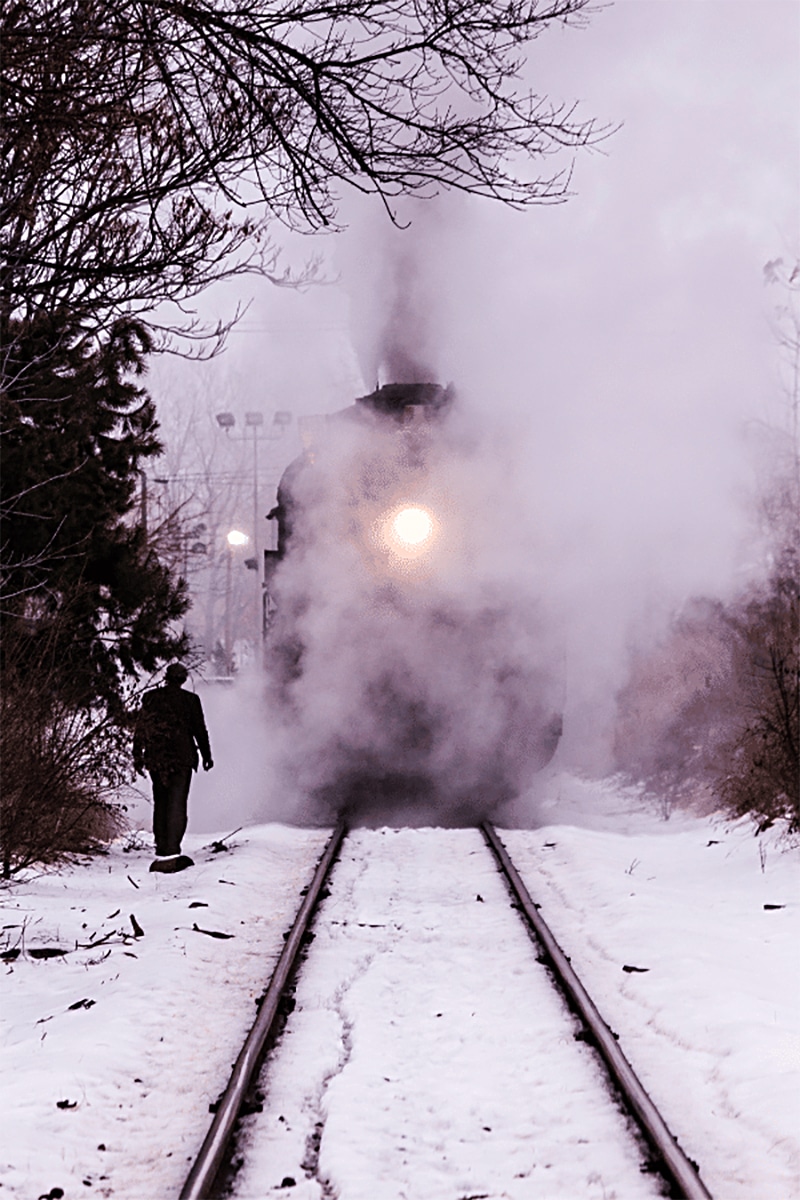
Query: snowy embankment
(111, 1053)
(687, 938)
(428, 1056)
(111, 1056)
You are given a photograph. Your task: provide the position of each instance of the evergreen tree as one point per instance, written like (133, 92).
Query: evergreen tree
(81, 589)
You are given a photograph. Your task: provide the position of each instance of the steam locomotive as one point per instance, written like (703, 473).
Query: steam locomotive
(414, 681)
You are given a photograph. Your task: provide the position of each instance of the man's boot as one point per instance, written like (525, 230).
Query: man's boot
(175, 862)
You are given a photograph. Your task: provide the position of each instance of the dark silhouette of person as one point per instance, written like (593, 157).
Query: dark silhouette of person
(170, 730)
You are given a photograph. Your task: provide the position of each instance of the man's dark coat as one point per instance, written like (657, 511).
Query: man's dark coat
(169, 731)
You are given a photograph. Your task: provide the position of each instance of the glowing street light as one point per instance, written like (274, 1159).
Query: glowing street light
(234, 538)
(254, 423)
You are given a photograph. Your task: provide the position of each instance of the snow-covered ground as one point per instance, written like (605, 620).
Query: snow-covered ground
(111, 1052)
(429, 1049)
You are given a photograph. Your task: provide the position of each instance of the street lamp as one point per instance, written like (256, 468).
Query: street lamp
(255, 421)
(234, 538)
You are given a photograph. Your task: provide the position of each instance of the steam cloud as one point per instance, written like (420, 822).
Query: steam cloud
(606, 355)
(414, 686)
(609, 506)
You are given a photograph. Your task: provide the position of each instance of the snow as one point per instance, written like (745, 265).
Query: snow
(444, 1062)
(713, 1024)
(372, 1092)
(142, 1064)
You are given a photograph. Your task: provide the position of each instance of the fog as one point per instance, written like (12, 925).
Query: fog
(607, 353)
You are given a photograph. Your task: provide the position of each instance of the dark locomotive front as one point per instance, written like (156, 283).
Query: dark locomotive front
(416, 685)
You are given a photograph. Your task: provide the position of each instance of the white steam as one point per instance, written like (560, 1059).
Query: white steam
(415, 679)
(606, 355)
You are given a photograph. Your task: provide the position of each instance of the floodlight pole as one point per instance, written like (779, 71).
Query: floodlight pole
(255, 421)
(228, 646)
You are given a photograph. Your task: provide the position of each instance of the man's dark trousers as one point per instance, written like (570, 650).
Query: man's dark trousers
(170, 796)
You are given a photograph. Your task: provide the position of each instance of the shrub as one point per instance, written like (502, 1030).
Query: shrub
(714, 712)
(61, 773)
(759, 770)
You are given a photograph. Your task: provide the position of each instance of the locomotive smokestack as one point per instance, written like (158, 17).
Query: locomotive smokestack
(396, 399)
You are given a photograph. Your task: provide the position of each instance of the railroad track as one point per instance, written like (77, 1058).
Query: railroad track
(528, 1045)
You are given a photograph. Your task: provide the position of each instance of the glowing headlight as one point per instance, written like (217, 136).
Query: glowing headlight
(412, 526)
(407, 537)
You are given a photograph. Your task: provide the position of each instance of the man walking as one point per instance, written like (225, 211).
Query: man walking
(170, 729)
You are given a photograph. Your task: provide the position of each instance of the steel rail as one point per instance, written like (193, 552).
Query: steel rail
(203, 1175)
(678, 1167)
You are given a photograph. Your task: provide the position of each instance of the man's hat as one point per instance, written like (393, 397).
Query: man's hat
(176, 673)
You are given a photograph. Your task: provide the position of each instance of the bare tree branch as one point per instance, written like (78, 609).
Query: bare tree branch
(148, 146)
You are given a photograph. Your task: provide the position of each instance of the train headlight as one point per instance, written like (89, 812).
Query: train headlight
(406, 534)
(412, 526)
